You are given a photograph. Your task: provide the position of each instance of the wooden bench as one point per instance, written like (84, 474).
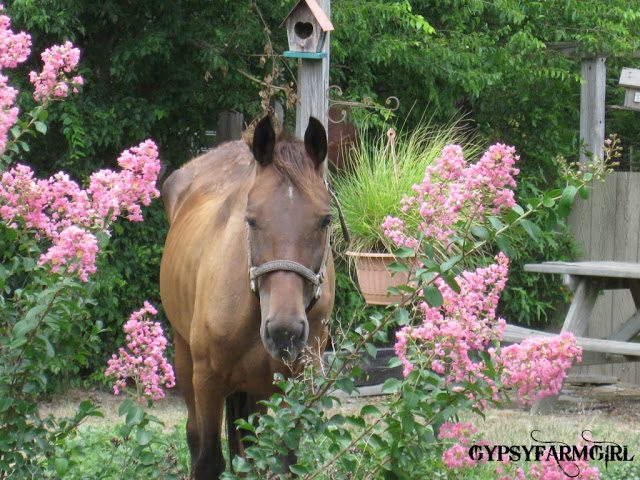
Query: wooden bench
(587, 279)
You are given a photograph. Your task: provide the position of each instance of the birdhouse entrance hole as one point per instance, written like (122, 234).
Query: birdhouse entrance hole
(303, 29)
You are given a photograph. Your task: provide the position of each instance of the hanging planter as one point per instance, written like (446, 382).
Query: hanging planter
(374, 277)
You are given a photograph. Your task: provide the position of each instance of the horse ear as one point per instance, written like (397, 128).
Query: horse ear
(315, 141)
(264, 139)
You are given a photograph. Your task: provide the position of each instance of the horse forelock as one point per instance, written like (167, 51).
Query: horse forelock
(292, 163)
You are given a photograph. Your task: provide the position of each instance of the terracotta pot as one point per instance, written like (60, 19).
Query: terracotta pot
(374, 278)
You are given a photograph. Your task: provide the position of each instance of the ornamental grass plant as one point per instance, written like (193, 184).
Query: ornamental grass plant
(381, 169)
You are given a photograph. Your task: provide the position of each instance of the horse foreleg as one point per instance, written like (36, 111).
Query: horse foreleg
(209, 401)
(184, 374)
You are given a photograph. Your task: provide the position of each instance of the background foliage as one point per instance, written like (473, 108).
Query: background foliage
(165, 70)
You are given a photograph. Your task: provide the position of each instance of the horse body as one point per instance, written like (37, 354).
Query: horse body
(225, 208)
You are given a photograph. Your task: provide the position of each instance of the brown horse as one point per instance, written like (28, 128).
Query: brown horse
(247, 277)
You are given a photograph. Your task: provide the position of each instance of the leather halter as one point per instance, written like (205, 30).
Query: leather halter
(316, 279)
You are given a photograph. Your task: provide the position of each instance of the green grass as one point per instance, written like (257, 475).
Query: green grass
(100, 453)
(95, 455)
(378, 175)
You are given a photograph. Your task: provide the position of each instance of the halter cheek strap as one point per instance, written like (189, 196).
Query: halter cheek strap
(316, 279)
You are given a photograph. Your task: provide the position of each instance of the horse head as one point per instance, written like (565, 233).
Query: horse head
(288, 220)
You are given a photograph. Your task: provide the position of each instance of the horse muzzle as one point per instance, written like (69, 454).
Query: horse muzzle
(284, 338)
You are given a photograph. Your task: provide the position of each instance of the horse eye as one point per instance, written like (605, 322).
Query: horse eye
(251, 222)
(326, 221)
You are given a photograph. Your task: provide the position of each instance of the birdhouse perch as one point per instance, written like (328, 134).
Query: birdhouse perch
(307, 26)
(630, 80)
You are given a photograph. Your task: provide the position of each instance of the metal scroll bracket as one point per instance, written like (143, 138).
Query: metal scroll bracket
(368, 103)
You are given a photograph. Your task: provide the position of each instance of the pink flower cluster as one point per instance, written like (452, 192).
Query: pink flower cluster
(537, 366)
(14, 49)
(143, 360)
(550, 469)
(453, 191)
(450, 335)
(54, 81)
(68, 216)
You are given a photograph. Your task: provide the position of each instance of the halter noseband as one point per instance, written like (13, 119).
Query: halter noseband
(316, 279)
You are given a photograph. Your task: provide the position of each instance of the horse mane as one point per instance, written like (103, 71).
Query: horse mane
(291, 161)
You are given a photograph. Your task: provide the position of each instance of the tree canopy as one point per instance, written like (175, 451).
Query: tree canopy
(164, 69)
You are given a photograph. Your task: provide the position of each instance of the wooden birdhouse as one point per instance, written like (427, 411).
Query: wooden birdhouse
(307, 26)
(630, 80)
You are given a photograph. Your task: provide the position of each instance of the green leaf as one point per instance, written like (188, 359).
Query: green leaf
(548, 201)
(135, 415)
(41, 127)
(47, 345)
(551, 221)
(504, 244)
(371, 350)
(432, 296)
(392, 385)
(451, 281)
(566, 201)
(531, 228)
(299, 469)
(480, 232)
(450, 263)
(143, 437)
(584, 192)
(370, 410)
(404, 252)
(62, 466)
(496, 223)
(397, 267)
(125, 406)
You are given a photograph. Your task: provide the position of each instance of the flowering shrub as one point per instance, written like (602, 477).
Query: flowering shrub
(447, 340)
(143, 360)
(52, 233)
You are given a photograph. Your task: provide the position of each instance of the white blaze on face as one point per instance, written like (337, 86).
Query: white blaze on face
(290, 192)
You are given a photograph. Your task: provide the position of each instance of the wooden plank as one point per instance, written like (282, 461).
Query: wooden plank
(592, 379)
(592, 106)
(514, 333)
(577, 319)
(630, 77)
(628, 329)
(626, 239)
(603, 224)
(604, 269)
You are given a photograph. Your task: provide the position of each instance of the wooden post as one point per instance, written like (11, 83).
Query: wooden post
(229, 126)
(313, 83)
(592, 106)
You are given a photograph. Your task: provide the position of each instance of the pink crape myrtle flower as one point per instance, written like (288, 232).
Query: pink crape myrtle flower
(14, 49)
(464, 324)
(59, 211)
(537, 366)
(77, 248)
(143, 358)
(453, 191)
(54, 82)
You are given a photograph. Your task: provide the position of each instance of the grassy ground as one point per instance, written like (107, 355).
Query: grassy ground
(611, 413)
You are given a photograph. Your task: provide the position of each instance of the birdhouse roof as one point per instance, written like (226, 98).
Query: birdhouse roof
(630, 78)
(316, 10)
